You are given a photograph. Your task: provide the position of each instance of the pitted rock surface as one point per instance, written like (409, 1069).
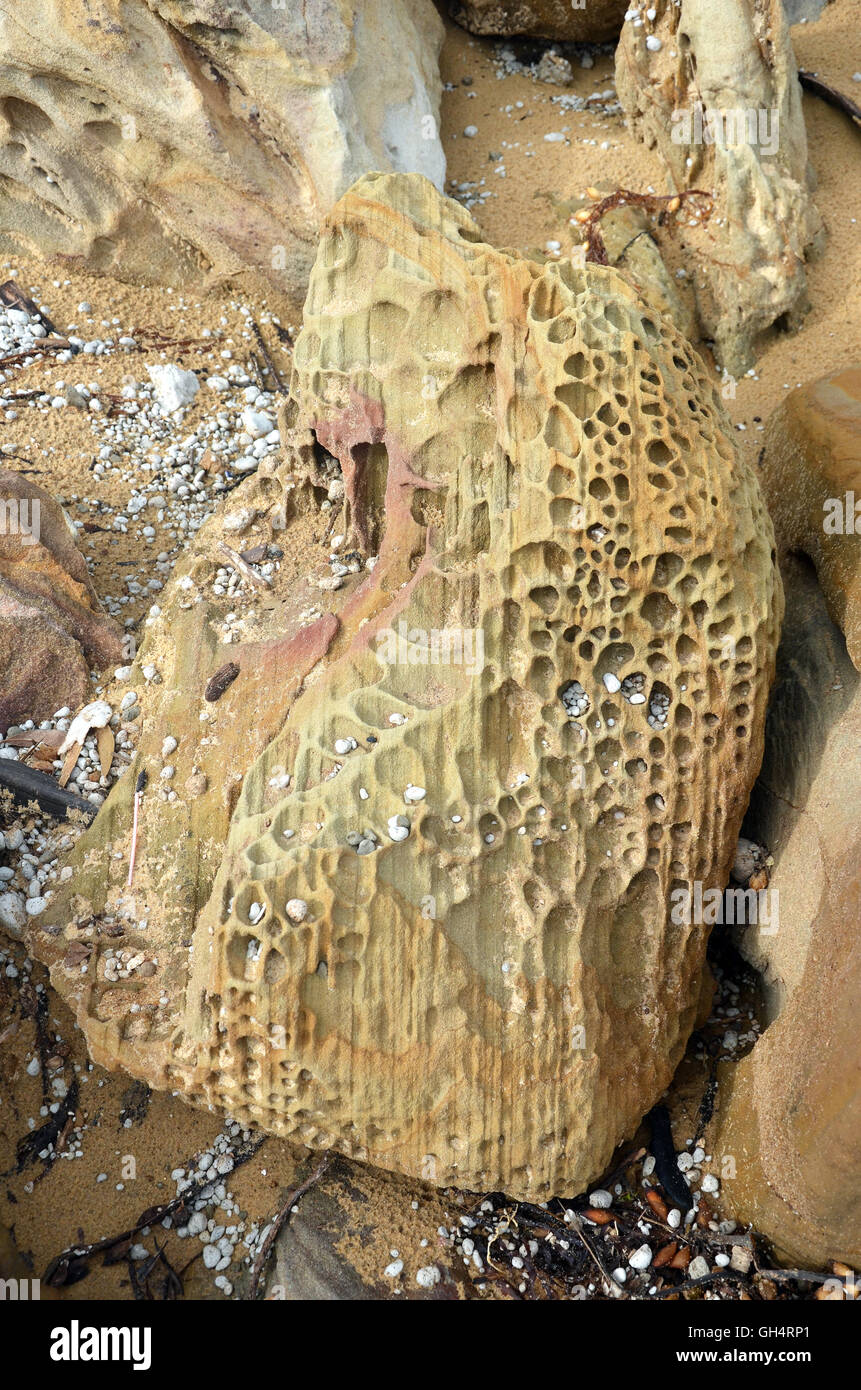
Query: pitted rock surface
(566, 645)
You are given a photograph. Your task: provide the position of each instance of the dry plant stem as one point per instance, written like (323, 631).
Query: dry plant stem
(270, 365)
(139, 790)
(281, 1217)
(575, 1226)
(12, 296)
(44, 345)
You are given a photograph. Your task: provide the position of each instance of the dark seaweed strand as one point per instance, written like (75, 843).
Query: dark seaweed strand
(666, 1166)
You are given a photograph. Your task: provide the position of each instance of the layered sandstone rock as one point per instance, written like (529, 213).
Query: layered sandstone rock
(52, 630)
(713, 85)
(167, 141)
(791, 1111)
(589, 20)
(438, 935)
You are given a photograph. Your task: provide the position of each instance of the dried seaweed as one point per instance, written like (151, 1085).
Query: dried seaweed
(71, 1264)
(663, 205)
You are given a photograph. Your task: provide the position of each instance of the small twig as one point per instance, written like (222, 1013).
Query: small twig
(270, 365)
(811, 83)
(787, 1275)
(160, 340)
(281, 1217)
(40, 345)
(14, 297)
(243, 566)
(139, 791)
(259, 372)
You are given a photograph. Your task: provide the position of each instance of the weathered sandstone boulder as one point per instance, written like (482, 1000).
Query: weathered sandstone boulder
(591, 20)
(436, 932)
(52, 630)
(812, 468)
(791, 1111)
(713, 85)
(167, 141)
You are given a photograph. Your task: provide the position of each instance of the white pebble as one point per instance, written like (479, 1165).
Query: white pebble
(174, 387)
(641, 1258)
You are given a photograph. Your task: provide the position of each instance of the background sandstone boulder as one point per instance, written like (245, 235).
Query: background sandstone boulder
(791, 1113)
(167, 141)
(438, 934)
(812, 469)
(591, 20)
(52, 630)
(713, 85)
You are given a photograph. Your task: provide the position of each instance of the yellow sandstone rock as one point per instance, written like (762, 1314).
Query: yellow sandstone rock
(446, 946)
(175, 143)
(713, 86)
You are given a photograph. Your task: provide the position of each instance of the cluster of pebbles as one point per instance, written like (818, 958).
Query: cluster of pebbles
(19, 332)
(620, 1224)
(174, 483)
(212, 1214)
(171, 476)
(31, 851)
